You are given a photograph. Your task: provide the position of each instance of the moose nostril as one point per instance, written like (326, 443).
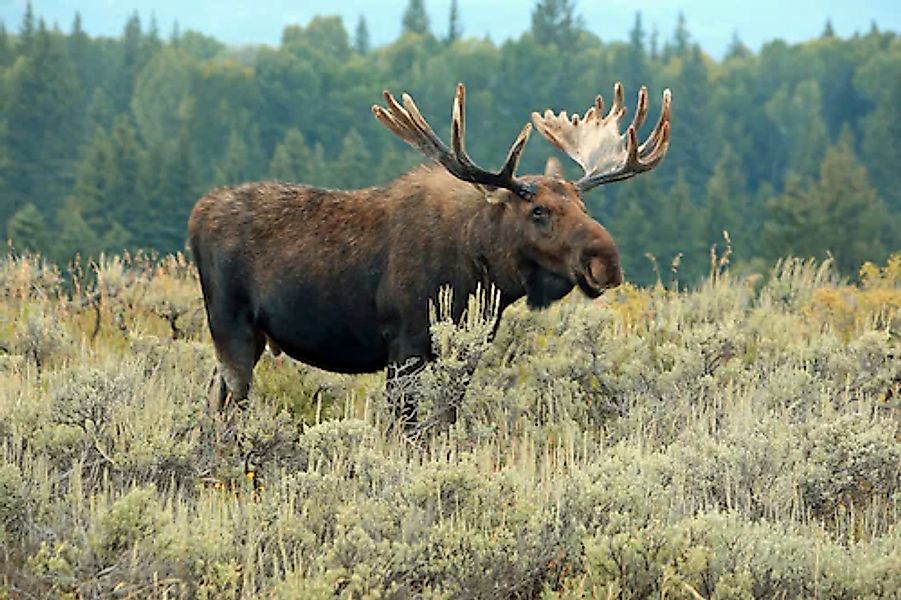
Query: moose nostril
(616, 278)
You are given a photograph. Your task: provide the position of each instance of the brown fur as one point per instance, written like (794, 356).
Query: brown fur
(343, 279)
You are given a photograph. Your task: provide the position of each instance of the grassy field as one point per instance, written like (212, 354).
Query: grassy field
(741, 440)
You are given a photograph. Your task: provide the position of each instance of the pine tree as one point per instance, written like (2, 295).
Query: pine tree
(100, 111)
(415, 19)
(27, 230)
(133, 56)
(840, 213)
(634, 226)
(802, 139)
(725, 203)
(653, 50)
(361, 36)
(235, 166)
(636, 66)
(454, 28)
(880, 79)
(42, 125)
(828, 31)
(555, 22)
(293, 160)
(73, 236)
(678, 231)
(693, 127)
(180, 190)
(6, 50)
(26, 31)
(124, 206)
(681, 38)
(348, 169)
(737, 48)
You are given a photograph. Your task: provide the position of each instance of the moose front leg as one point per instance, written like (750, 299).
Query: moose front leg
(407, 357)
(402, 389)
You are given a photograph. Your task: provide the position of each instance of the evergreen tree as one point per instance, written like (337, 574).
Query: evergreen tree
(636, 68)
(293, 160)
(26, 229)
(361, 36)
(681, 38)
(180, 190)
(42, 125)
(236, 164)
(726, 204)
(634, 228)
(100, 112)
(454, 28)
(152, 41)
(6, 50)
(737, 48)
(880, 79)
(415, 19)
(72, 236)
(133, 57)
(124, 206)
(95, 177)
(693, 126)
(653, 49)
(27, 31)
(678, 231)
(841, 214)
(555, 22)
(347, 170)
(828, 31)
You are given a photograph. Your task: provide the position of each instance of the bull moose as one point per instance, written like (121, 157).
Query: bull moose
(342, 279)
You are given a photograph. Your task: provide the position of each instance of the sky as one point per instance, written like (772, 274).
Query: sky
(710, 22)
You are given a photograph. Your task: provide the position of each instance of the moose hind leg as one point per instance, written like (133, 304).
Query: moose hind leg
(237, 353)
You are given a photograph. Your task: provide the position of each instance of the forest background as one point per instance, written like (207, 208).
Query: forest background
(106, 143)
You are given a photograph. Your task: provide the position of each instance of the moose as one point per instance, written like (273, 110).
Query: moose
(342, 279)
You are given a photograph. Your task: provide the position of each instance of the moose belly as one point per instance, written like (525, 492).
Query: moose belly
(333, 342)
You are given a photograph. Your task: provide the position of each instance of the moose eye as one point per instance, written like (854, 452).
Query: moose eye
(540, 213)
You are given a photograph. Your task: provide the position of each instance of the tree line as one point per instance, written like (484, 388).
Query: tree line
(106, 143)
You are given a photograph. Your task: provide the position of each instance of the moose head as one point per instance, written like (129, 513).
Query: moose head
(549, 233)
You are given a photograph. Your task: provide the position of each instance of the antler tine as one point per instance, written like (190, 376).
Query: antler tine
(595, 141)
(652, 142)
(641, 110)
(618, 108)
(516, 149)
(407, 123)
(458, 123)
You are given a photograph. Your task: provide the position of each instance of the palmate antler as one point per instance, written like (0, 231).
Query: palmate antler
(595, 142)
(408, 124)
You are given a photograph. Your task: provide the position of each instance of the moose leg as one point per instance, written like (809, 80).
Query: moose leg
(238, 349)
(407, 357)
(401, 388)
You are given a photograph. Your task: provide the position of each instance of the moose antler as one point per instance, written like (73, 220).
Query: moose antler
(595, 142)
(407, 123)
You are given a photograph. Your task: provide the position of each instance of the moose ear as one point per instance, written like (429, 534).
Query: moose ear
(554, 168)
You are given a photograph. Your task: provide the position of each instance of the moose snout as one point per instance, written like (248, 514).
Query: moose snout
(605, 272)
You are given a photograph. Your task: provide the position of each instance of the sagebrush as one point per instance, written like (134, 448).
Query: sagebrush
(740, 440)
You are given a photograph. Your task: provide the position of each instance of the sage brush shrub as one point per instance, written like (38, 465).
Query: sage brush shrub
(739, 440)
